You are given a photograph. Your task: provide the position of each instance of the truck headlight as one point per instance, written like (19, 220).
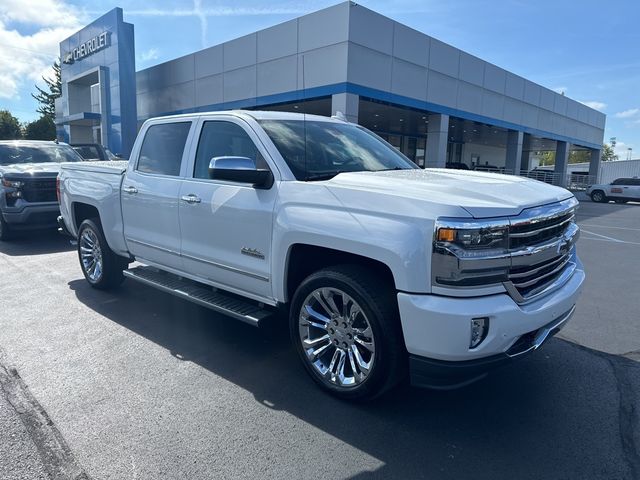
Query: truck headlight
(469, 253)
(12, 183)
(485, 237)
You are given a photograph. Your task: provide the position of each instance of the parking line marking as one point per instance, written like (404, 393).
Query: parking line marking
(604, 226)
(609, 239)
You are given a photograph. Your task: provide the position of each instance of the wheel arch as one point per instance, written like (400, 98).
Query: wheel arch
(304, 259)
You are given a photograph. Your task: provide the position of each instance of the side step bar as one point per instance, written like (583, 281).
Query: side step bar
(224, 303)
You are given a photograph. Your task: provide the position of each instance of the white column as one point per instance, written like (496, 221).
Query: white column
(562, 160)
(437, 136)
(594, 165)
(347, 103)
(514, 151)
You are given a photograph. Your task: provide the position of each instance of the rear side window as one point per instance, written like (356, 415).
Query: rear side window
(162, 148)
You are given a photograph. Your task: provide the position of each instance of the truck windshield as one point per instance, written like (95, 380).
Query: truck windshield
(317, 150)
(12, 154)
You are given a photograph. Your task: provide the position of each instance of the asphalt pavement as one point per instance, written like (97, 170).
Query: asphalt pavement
(135, 383)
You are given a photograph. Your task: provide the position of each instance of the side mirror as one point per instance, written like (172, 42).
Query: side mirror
(240, 169)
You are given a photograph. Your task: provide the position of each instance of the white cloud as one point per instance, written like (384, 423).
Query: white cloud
(632, 112)
(47, 13)
(25, 58)
(151, 54)
(594, 104)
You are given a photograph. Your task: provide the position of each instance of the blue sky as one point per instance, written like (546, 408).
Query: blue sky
(589, 49)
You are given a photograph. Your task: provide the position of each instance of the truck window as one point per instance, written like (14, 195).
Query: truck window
(223, 139)
(162, 148)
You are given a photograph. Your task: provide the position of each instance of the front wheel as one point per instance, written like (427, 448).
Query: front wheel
(345, 326)
(598, 196)
(101, 267)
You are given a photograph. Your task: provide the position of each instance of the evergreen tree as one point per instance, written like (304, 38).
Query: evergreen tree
(9, 126)
(41, 129)
(46, 99)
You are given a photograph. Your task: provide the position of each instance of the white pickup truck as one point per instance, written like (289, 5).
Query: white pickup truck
(385, 270)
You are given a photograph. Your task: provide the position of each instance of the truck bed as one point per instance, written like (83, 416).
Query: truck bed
(117, 167)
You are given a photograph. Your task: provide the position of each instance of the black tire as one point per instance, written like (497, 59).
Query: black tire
(598, 196)
(379, 304)
(5, 233)
(112, 265)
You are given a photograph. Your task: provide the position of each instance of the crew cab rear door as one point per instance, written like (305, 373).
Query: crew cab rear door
(150, 193)
(227, 226)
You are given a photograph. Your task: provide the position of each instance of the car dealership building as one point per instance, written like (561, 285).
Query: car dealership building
(434, 102)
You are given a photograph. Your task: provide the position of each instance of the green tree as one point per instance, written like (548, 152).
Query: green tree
(579, 156)
(546, 158)
(9, 126)
(608, 154)
(47, 100)
(41, 129)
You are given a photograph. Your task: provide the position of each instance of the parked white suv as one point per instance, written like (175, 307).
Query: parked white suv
(622, 190)
(384, 269)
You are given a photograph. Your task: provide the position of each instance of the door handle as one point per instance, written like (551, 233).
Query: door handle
(130, 190)
(191, 198)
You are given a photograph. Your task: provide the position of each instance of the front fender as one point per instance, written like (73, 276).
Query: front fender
(402, 244)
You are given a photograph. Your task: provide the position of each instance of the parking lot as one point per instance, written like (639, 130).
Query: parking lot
(139, 384)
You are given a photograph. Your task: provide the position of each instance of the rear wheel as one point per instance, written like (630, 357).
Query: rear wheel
(5, 233)
(346, 329)
(101, 267)
(598, 196)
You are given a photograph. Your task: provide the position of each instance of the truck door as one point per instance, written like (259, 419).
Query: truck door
(150, 195)
(227, 226)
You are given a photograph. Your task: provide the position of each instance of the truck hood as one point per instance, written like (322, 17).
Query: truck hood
(31, 169)
(481, 194)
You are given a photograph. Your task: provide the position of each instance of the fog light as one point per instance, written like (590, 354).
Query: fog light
(15, 194)
(479, 330)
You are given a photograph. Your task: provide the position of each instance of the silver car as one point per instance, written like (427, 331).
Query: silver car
(621, 190)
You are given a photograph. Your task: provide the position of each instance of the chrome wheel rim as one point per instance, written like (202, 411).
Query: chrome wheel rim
(597, 196)
(91, 254)
(336, 337)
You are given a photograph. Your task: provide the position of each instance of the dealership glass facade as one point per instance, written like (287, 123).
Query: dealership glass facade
(435, 103)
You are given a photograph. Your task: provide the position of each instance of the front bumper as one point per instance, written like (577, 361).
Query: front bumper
(32, 216)
(437, 330)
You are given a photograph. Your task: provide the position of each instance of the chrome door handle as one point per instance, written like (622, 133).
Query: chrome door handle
(191, 199)
(130, 190)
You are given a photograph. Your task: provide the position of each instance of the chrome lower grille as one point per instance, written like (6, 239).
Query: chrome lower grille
(528, 280)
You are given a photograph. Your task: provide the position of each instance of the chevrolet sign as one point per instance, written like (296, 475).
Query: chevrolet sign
(87, 48)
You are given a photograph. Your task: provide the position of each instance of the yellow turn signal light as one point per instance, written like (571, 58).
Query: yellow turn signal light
(446, 235)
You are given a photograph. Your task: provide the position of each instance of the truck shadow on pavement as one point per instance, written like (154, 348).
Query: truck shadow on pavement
(35, 242)
(565, 412)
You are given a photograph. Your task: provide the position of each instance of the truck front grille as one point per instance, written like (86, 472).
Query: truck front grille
(530, 231)
(529, 280)
(538, 230)
(39, 190)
